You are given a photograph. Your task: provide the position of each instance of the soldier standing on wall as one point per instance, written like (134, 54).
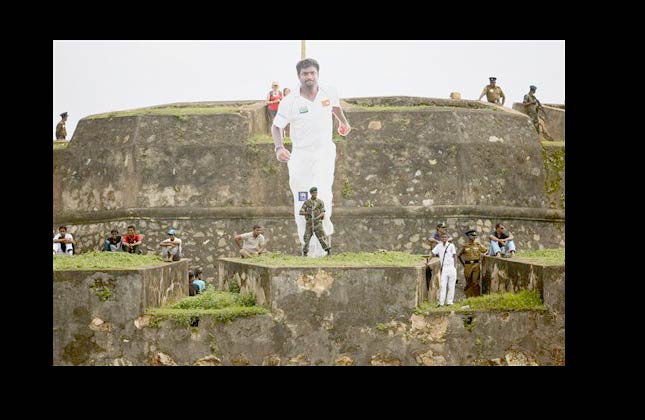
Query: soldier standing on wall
(533, 107)
(61, 133)
(314, 211)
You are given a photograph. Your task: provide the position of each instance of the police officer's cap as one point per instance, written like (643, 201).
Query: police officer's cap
(532, 87)
(313, 189)
(172, 232)
(442, 225)
(64, 114)
(471, 232)
(492, 79)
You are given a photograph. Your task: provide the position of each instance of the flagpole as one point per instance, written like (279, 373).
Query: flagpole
(302, 50)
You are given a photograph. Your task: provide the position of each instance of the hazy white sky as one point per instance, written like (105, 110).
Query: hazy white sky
(92, 77)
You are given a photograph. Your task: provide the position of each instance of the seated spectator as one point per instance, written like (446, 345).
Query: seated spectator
(171, 247)
(192, 289)
(132, 241)
(254, 242)
(199, 283)
(63, 242)
(501, 242)
(113, 242)
(436, 237)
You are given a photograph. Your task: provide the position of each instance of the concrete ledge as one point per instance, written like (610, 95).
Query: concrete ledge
(512, 275)
(91, 307)
(511, 213)
(335, 296)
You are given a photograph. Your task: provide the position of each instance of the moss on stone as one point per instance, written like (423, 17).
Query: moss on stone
(185, 317)
(542, 256)
(553, 155)
(346, 192)
(521, 301)
(105, 260)
(103, 289)
(346, 259)
(177, 111)
(60, 145)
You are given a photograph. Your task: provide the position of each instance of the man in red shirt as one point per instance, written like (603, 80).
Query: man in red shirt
(273, 98)
(132, 241)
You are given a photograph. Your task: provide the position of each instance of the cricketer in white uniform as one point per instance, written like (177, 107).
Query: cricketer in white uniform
(311, 162)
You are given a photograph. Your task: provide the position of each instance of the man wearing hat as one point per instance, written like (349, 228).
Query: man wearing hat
(171, 247)
(61, 133)
(533, 106)
(436, 237)
(472, 252)
(314, 211)
(493, 93)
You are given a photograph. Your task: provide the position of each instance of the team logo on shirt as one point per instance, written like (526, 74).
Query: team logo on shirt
(303, 109)
(325, 102)
(302, 195)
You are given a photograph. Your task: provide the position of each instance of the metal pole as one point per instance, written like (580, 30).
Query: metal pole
(302, 50)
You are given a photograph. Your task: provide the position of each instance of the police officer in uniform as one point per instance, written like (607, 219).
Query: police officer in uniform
(472, 252)
(494, 94)
(314, 211)
(533, 105)
(61, 133)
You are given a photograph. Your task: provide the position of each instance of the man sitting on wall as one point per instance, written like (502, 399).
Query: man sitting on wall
(254, 242)
(501, 242)
(132, 241)
(113, 242)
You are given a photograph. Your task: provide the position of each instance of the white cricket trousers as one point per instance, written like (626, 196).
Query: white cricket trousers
(447, 281)
(312, 167)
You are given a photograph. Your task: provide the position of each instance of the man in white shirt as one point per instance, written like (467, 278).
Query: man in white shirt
(447, 255)
(171, 247)
(309, 112)
(63, 242)
(254, 242)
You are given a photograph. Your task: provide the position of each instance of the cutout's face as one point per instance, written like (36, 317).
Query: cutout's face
(308, 76)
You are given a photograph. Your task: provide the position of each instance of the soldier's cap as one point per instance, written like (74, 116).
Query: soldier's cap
(64, 114)
(442, 225)
(532, 87)
(471, 232)
(172, 232)
(313, 189)
(492, 79)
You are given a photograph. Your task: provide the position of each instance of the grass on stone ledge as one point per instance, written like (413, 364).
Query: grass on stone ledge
(521, 301)
(222, 306)
(105, 260)
(172, 111)
(542, 256)
(346, 259)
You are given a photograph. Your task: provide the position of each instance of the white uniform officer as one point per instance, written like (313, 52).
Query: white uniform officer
(447, 255)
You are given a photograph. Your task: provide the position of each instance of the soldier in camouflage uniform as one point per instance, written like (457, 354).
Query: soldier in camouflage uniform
(533, 107)
(61, 133)
(314, 206)
(472, 252)
(494, 94)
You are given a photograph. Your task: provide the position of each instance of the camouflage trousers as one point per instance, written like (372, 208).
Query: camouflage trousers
(540, 127)
(320, 234)
(472, 273)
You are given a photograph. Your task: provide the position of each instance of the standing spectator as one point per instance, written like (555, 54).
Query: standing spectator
(63, 242)
(501, 242)
(472, 252)
(273, 98)
(113, 242)
(132, 241)
(200, 284)
(192, 289)
(448, 256)
(436, 237)
(254, 242)
(171, 247)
